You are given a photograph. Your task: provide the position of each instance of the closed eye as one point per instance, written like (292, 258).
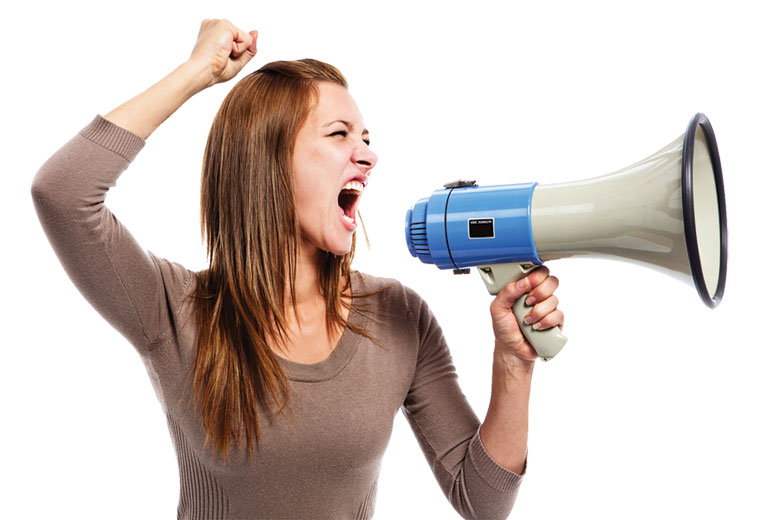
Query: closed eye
(343, 133)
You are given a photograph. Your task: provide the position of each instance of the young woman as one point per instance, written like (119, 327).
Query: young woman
(280, 370)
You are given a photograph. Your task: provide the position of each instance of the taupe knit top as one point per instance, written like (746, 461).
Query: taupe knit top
(322, 463)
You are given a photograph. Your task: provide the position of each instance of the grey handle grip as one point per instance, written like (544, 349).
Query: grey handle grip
(547, 343)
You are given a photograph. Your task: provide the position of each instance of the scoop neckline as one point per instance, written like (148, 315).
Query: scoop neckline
(345, 348)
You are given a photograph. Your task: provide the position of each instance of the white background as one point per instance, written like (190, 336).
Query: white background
(658, 407)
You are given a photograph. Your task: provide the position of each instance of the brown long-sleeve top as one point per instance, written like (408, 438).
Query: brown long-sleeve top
(322, 463)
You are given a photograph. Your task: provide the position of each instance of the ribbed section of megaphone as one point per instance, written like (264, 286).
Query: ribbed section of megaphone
(417, 233)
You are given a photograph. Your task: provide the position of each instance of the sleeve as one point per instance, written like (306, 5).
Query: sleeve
(129, 287)
(448, 430)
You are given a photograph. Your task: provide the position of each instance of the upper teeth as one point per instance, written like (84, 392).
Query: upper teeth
(353, 185)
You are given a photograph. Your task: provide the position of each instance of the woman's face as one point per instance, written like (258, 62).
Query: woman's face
(331, 164)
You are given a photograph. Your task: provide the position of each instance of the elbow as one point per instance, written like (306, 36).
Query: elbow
(50, 198)
(37, 189)
(41, 192)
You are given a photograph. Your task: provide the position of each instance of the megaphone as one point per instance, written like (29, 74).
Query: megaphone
(667, 211)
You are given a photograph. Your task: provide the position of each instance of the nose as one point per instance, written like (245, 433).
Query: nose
(364, 157)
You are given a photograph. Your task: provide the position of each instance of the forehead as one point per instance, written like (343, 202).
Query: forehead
(335, 102)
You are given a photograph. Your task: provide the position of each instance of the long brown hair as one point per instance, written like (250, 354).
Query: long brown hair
(249, 223)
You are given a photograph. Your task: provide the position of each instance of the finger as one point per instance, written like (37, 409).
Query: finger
(542, 291)
(248, 53)
(507, 297)
(244, 40)
(537, 276)
(541, 309)
(241, 39)
(551, 320)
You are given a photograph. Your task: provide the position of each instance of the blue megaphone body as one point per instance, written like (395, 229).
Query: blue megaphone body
(465, 225)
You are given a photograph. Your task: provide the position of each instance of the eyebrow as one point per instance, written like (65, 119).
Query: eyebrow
(346, 123)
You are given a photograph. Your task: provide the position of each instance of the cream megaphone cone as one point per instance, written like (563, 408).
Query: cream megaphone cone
(667, 211)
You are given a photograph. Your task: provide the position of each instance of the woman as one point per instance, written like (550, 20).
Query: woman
(279, 369)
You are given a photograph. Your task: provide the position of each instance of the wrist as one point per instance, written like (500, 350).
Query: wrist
(197, 76)
(510, 361)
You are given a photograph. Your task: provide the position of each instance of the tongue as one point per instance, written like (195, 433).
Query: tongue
(347, 200)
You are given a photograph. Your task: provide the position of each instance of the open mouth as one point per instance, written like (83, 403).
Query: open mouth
(348, 200)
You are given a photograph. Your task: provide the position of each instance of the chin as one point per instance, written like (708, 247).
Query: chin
(339, 249)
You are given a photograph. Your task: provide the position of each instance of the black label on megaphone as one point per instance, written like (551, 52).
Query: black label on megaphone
(481, 228)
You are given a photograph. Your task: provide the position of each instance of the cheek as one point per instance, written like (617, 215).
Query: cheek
(316, 171)
(308, 200)
(304, 180)
(311, 196)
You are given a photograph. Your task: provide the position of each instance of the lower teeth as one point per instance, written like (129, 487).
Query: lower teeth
(348, 219)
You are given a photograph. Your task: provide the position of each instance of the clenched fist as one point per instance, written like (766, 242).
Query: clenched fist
(223, 49)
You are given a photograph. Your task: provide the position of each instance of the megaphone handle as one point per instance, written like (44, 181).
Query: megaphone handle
(547, 343)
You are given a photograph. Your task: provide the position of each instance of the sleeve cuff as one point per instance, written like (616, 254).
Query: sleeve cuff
(113, 137)
(491, 472)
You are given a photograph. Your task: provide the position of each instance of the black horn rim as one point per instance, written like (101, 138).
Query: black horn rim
(691, 242)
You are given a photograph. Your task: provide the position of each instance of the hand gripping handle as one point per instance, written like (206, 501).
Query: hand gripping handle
(547, 343)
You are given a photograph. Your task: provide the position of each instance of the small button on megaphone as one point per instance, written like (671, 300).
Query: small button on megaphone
(667, 211)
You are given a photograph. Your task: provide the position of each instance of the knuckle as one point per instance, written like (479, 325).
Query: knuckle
(539, 275)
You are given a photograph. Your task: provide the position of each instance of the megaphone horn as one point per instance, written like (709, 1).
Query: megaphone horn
(667, 211)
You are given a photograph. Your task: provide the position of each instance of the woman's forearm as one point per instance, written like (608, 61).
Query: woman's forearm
(146, 111)
(504, 432)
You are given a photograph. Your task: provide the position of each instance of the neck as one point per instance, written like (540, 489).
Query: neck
(307, 275)
(310, 302)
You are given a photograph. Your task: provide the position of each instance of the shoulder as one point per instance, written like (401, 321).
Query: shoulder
(389, 293)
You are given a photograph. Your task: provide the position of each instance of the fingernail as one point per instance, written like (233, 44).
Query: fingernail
(537, 326)
(530, 300)
(520, 284)
(528, 319)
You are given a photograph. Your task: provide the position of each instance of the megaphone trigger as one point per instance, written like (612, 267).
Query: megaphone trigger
(546, 343)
